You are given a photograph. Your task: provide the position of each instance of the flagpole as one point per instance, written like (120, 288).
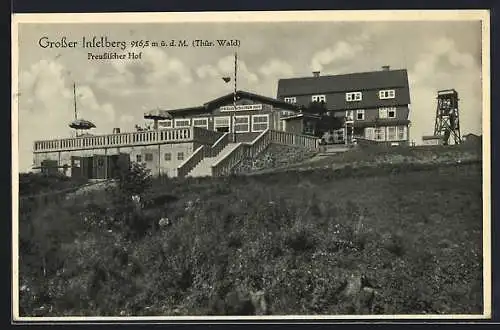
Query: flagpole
(74, 99)
(234, 96)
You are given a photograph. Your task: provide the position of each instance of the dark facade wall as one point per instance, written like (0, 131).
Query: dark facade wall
(370, 99)
(294, 126)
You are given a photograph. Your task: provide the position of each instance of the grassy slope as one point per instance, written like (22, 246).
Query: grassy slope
(415, 234)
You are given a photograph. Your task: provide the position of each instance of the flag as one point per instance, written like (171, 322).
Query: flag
(226, 79)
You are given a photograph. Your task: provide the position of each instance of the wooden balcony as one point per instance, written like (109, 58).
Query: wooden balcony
(163, 136)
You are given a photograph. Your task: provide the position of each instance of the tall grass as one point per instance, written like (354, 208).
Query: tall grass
(413, 236)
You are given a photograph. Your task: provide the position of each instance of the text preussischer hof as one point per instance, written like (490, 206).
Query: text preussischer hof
(108, 44)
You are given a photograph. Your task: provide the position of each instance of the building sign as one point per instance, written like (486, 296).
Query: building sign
(242, 107)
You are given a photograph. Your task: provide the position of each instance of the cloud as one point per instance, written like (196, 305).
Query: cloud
(46, 107)
(341, 51)
(443, 66)
(154, 70)
(207, 71)
(276, 68)
(225, 67)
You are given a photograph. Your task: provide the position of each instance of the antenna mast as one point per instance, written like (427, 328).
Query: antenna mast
(234, 95)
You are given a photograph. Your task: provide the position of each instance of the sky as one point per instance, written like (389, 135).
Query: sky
(116, 93)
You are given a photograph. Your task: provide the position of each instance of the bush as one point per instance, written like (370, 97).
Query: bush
(297, 237)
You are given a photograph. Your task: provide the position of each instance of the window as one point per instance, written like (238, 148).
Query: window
(353, 96)
(370, 133)
(148, 157)
(168, 156)
(180, 156)
(221, 124)
(200, 122)
(391, 133)
(360, 114)
(260, 123)
(182, 123)
(165, 123)
(318, 98)
(309, 128)
(380, 134)
(401, 133)
(387, 112)
(387, 94)
(349, 115)
(138, 158)
(242, 124)
(286, 113)
(292, 99)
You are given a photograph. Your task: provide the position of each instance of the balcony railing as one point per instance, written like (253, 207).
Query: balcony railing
(173, 135)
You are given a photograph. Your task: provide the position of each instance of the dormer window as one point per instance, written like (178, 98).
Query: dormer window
(387, 94)
(291, 99)
(318, 98)
(353, 96)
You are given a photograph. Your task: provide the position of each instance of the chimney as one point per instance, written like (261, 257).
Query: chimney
(116, 130)
(386, 68)
(316, 74)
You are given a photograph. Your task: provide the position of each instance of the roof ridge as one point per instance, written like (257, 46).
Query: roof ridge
(344, 74)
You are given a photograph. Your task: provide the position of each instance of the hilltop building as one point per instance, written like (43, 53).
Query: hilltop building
(196, 141)
(212, 138)
(375, 104)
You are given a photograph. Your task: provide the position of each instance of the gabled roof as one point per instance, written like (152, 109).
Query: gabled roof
(342, 83)
(228, 98)
(215, 103)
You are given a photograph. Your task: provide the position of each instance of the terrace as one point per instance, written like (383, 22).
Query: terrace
(161, 136)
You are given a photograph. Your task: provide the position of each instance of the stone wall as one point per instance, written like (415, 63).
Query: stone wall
(274, 156)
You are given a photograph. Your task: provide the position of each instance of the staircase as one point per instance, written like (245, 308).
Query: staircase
(204, 167)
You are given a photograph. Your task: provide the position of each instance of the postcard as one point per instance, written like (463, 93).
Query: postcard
(244, 166)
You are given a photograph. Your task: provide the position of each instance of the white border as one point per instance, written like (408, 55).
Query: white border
(288, 16)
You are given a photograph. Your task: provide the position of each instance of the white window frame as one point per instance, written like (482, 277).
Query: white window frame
(383, 113)
(382, 133)
(318, 98)
(389, 111)
(353, 96)
(167, 123)
(291, 99)
(362, 112)
(387, 94)
(394, 136)
(370, 133)
(349, 114)
(247, 117)
(258, 123)
(404, 130)
(227, 118)
(205, 119)
(182, 120)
